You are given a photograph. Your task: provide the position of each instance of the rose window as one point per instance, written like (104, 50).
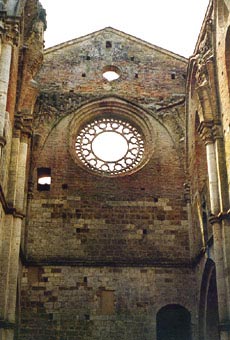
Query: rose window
(110, 146)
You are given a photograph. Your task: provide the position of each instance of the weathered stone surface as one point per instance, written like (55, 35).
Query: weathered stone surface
(99, 255)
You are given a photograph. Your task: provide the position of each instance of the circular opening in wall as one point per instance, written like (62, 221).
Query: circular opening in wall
(110, 146)
(111, 73)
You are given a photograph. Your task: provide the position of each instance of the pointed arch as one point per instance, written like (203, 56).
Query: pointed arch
(208, 307)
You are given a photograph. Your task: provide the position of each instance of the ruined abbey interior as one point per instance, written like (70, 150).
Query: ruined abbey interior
(114, 183)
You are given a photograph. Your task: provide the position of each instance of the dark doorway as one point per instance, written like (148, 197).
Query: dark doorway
(173, 323)
(212, 318)
(208, 311)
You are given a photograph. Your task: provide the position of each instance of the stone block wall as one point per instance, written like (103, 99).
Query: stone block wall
(100, 303)
(104, 254)
(88, 217)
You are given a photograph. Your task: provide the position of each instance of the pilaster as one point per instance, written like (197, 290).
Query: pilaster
(210, 132)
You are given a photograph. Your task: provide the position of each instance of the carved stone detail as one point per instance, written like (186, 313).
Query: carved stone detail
(9, 32)
(210, 131)
(27, 126)
(217, 131)
(23, 126)
(204, 56)
(205, 131)
(18, 121)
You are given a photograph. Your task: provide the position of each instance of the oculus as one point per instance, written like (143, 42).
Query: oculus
(111, 75)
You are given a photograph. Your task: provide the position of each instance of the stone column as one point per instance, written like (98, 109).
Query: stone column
(15, 235)
(9, 39)
(224, 216)
(206, 131)
(5, 63)
(10, 243)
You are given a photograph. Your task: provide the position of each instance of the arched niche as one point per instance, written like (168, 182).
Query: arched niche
(173, 323)
(208, 307)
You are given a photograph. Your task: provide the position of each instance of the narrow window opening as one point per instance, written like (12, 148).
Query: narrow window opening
(85, 279)
(132, 58)
(173, 75)
(83, 75)
(44, 179)
(88, 57)
(108, 44)
(145, 232)
(136, 75)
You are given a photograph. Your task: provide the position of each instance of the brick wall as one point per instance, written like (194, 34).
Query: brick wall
(95, 240)
(68, 302)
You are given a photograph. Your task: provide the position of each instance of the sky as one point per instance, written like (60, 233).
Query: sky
(170, 24)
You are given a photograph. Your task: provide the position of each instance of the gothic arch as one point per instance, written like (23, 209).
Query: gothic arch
(208, 307)
(173, 322)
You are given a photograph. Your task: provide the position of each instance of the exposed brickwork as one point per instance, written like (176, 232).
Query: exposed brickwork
(94, 222)
(101, 257)
(89, 220)
(67, 301)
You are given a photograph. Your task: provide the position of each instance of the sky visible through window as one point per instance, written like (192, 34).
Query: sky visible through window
(173, 25)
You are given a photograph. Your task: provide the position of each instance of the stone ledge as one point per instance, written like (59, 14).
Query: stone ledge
(94, 263)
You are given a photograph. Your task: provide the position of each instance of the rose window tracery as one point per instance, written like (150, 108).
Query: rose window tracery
(110, 146)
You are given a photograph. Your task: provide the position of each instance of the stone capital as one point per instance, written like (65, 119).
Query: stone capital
(27, 126)
(217, 130)
(18, 122)
(9, 32)
(206, 132)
